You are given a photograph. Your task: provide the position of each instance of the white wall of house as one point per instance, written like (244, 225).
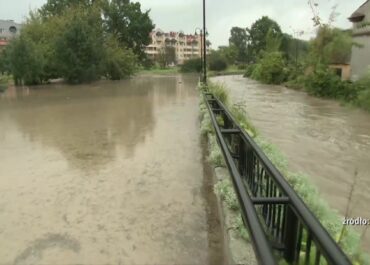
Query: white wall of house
(9, 29)
(360, 60)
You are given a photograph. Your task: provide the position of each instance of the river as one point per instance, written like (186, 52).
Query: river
(322, 139)
(106, 173)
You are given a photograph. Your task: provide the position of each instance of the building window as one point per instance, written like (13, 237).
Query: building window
(13, 29)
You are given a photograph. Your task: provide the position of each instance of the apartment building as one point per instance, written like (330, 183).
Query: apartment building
(187, 46)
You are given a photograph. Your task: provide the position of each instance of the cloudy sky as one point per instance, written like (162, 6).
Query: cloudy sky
(186, 15)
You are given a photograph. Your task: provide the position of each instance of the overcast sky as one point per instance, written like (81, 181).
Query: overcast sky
(186, 15)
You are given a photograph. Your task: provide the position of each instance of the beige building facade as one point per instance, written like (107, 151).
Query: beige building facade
(187, 46)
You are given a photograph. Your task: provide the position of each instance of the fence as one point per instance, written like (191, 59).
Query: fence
(280, 224)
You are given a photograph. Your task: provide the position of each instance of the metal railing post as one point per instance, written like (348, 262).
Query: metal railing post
(290, 235)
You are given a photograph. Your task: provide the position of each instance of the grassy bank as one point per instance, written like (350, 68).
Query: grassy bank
(230, 70)
(348, 239)
(320, 81)
(160, 71)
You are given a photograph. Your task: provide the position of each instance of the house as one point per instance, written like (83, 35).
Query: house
(8, 30)
(360, 60)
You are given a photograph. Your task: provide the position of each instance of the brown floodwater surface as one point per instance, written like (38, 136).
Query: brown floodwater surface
(106, 173)
(320, 138)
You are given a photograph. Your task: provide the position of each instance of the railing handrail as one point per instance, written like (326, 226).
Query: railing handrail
(261, 245)
(328, 247)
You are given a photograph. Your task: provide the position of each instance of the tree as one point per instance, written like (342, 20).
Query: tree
(257, 34)
(4, 61)
(230, 53)
(79, 47)
(217, 62)
(27, 62)
(166, 56)
(238, 39)
(118, 62)
(331, 45)
(58, 7)
(129, 24)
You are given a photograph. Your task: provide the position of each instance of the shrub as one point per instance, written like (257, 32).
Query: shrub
(192, 65)
(270, 68)
(249, 70)
(27, 61)
(323, 82)
(118, 62)
(217, 63)
(242, 67)
(363, 94)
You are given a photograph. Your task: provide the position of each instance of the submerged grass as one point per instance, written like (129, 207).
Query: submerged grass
(349, 241)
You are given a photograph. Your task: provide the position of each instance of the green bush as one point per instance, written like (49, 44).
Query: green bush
(118, 62)
(270, 68)
(249, 70)
(242, 67)
(27, 61)
(323, 82)
(217, 63)
(192, 66)
(363, 94)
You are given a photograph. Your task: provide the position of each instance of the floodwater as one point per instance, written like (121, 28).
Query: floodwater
(106, 173)
(326, 141)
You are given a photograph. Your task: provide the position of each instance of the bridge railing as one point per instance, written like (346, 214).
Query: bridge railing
(280, 224)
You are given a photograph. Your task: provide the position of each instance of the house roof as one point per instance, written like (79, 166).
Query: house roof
(359, 14)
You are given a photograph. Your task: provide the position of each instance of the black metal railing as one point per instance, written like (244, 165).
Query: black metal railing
(280, 224)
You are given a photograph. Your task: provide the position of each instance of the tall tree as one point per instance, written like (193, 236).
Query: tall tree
(129, 24)
(258, 32)
(57, 7)
(238, 39)
(79, 48)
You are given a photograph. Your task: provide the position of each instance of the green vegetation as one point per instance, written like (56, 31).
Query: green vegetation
(80, 41)
(308, 68)
(348, 239)
(160, 71)
(191, 66)
(217, 62)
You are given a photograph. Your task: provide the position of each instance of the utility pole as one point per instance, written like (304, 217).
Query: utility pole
(204, 44)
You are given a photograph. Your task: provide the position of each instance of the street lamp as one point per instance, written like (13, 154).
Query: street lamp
(204, 45)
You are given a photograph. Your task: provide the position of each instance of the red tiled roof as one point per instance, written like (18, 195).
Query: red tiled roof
(3, 43)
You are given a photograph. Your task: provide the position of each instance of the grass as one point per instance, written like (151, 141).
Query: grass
(331, 220)
(230, 70)
(160, 71)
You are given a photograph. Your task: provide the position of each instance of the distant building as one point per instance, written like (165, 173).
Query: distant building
(8, 30)
(186, 46)
(360, 61)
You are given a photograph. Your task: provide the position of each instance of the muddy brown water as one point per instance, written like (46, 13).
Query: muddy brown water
(322, 139)
(106, 173)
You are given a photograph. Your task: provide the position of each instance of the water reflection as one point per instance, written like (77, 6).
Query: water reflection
(86, 124)
(106, 173)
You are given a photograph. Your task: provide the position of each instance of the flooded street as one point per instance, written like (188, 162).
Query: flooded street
(319, 137)
(106, 173)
